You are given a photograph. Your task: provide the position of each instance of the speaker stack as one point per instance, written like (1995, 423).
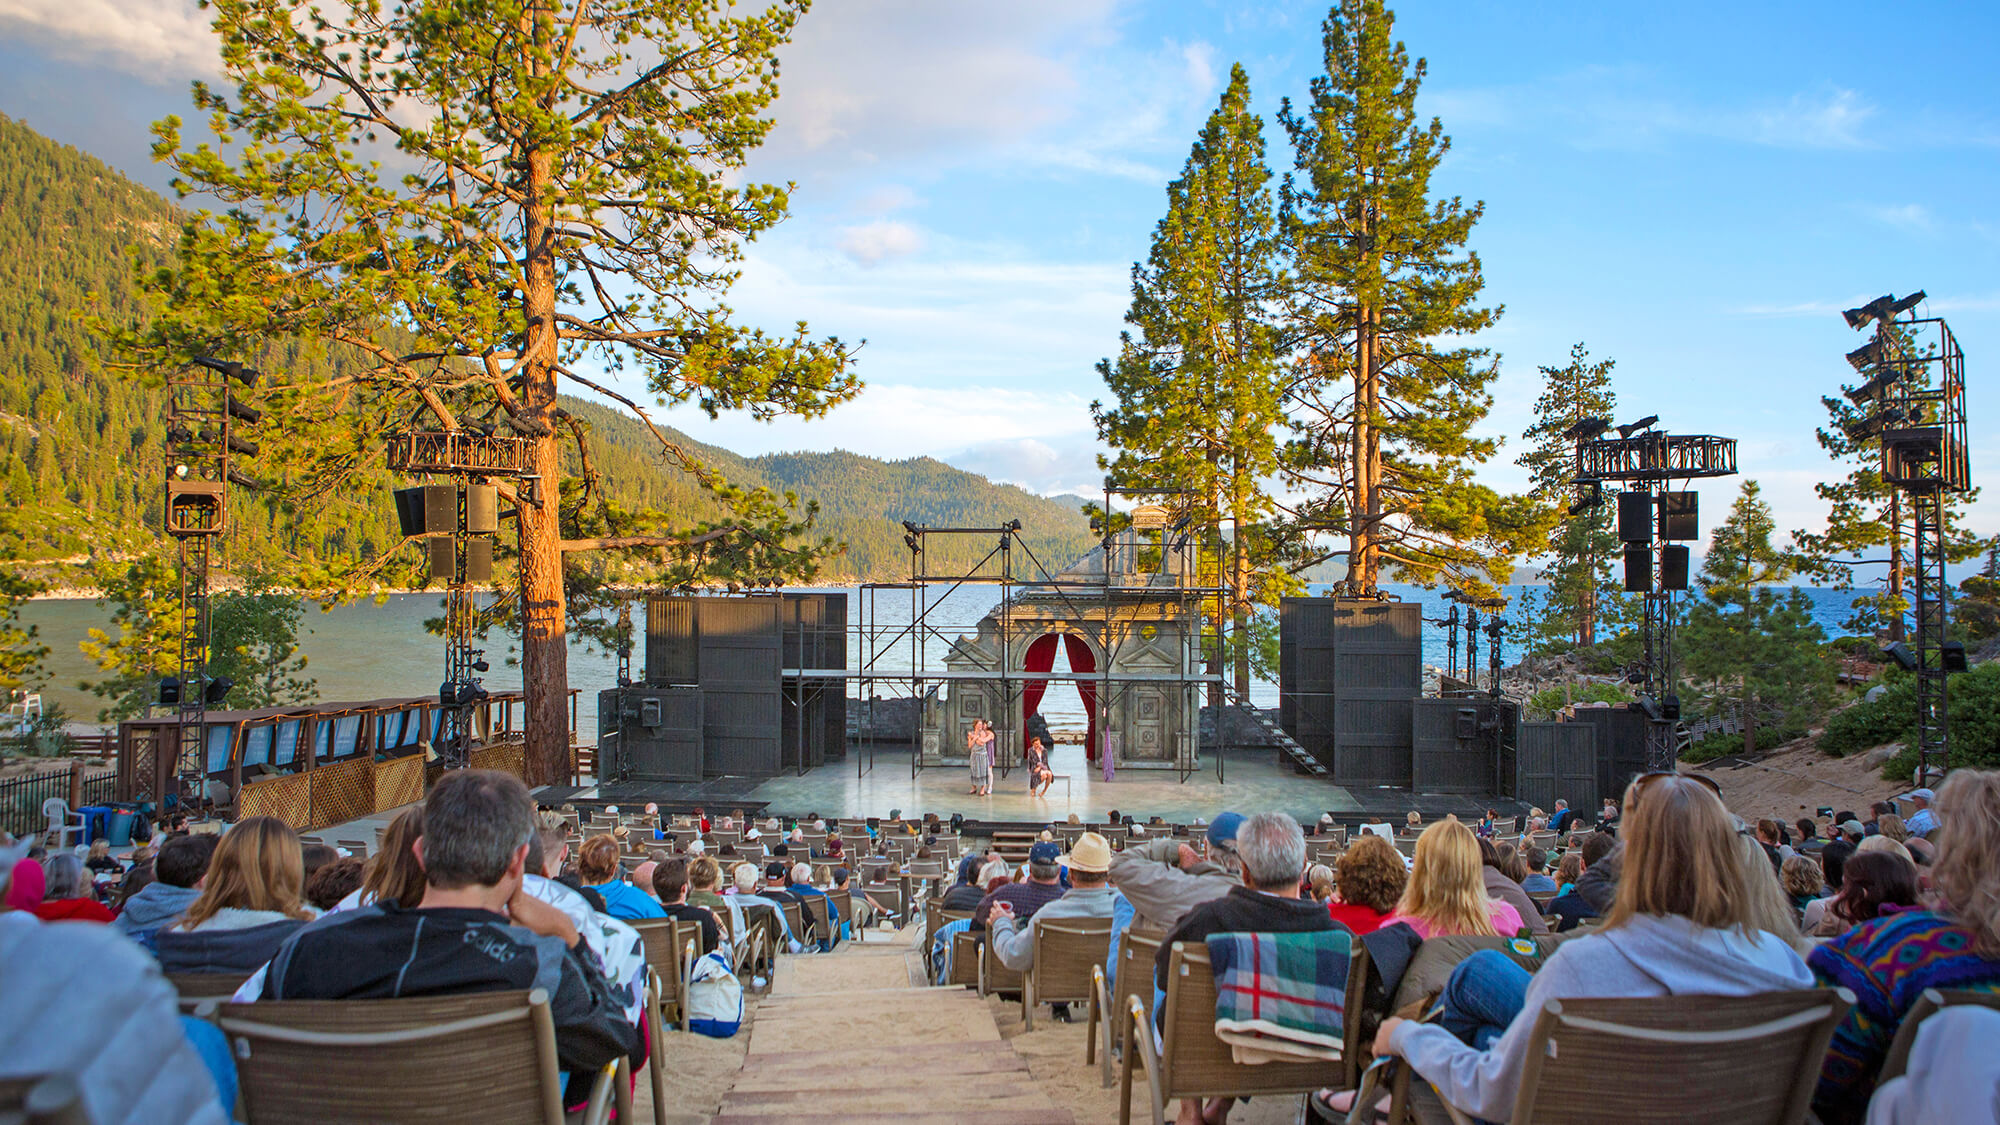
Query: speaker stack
(447, 515)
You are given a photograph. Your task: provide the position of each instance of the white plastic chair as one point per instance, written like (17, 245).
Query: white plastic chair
(62, 822)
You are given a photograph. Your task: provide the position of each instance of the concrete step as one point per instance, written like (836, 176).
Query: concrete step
(1047, 1115)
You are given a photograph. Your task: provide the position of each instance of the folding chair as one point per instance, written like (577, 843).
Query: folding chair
(194, 988)
(1065, 952)
(406, 1060)
(1132, 978)
(1898, 1059)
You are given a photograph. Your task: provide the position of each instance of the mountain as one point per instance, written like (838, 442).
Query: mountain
(81, 450)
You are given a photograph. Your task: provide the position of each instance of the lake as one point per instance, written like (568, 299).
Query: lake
(368, 651)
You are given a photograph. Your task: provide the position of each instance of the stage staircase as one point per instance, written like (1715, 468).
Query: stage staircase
(1287, 745)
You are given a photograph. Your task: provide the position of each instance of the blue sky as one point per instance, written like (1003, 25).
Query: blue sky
(1693, 190)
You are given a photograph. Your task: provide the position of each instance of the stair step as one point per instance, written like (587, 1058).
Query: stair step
(942, 1116)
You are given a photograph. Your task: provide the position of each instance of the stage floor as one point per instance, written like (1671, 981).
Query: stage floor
(1253, 781)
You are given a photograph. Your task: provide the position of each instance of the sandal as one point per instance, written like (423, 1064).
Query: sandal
(1337, 1106)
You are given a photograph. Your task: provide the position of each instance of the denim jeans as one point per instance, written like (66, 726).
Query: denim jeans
(1483, 995)
(213, 1047)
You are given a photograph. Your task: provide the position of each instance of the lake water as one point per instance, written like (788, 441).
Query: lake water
(368, 651)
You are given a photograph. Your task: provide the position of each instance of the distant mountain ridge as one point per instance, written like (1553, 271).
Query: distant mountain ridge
(81, 452)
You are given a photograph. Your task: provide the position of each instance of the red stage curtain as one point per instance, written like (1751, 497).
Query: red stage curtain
(1081, 660)
(1040, 657)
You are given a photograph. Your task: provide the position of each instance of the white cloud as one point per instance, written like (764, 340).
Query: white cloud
(1047, 466)
(168, 37)
(1832, 120)
(1906, 216)
(873, 243)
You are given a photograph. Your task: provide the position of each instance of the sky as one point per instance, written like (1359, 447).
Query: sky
(1692, 190)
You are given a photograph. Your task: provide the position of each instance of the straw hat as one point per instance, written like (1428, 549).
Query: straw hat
(1091, 853)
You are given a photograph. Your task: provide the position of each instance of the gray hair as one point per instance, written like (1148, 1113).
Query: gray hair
(802, 873)
(1045, 871)
(1272, 848)
(474, 822)
(65, 878)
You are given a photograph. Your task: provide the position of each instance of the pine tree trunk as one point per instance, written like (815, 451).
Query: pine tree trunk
(1586, 617)
(1367, 453)
(1239, 589)
(544, 639)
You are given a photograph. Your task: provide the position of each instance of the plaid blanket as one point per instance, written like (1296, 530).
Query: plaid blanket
(1281, 996)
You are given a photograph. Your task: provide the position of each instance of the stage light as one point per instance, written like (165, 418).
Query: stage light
(1901, 654)
(230, 369)
(1630, 428)
(1872, 389)
(910, 528)
(1866, 356)
(1012, 525)
(1906, 304)
(910, 541)
(483, 666)
(217, 691)
(1586, 503)
(1877, 309)
(1586, 429)
(243, 411)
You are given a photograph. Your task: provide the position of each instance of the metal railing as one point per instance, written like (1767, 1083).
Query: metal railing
(21, 797)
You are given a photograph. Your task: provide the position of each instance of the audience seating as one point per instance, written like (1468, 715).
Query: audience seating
(818, 921)
(1189, 1061)
(1898, 1059)
(1132, 979)
(194, 988)
(42, 1100)
(843, 901)
(965, 958)
(794, 918)
(671, 947)
(406, 1060)
(1758, 1058)
(996, 979)
(1065, 952)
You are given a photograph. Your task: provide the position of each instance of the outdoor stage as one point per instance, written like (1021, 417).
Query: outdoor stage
(1253, 782)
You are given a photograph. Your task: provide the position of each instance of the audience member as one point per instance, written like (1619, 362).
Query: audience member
(67, 895)
(597, 866)
(1537, 881)
(1497, 877)
(1089, 896)
(965, 891)
(1560, 819)
(1873, 883)
(1568, 870)
(182, 861)
(1164, 879)
(475, 930)
(1922, 822)
(1272, 851)
(312, 857)
(1446, 893)
(250, 903)
(100, 861)
(670, 883)
(393, 874)
(1596, 886)
(1368, 882)
(139, 874)
(333, 882)
(1043, 886)
(1318, 884)
(1683, 924)
(1803, 883)
(1889, 962)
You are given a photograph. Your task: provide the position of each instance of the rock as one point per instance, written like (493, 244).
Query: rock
(1878, 757)
(1875, 693)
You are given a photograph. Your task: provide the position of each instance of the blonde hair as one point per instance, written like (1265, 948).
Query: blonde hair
(597, 859)
(1446, 887)
(100, 848)
(257, 866)
(1320, 878)
(1966, 871)
(1883, 844)
(704, 874)
(1892, 826)
(1682, 858)
(1570, 868)
(1766, 904)
(1802, 876)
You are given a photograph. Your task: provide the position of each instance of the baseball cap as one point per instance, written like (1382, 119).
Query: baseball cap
(1920, 795)
(1223, 829)
(1045, 852)
(1090, 853)
(1852, 827)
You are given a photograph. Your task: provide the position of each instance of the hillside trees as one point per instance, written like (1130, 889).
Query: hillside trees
(1581, 549)
(474, 202)
(1196, 386)
(1383, 443)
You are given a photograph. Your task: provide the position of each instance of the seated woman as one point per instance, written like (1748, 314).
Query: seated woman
(597, 864)
(1685, 922)
(1446, 893)
(1872, 884)
(1889, 962)
(1368, 882)
(252, 899)
(68, 897)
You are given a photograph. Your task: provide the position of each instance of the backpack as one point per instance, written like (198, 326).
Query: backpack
(714, 998)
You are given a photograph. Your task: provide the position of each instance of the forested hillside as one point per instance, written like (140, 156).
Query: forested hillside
(80, 449)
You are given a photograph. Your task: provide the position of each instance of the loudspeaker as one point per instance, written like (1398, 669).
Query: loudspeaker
(440, 509)
(479, 560)
(1674, 567)
(410, 510)
(1638, 569)
(1635, 517)
(1678, 515)
(482, 509)
(444, 559)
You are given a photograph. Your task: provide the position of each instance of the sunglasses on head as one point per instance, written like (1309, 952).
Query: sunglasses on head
(1651, 776)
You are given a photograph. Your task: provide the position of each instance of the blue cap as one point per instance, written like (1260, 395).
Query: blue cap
(1222, 830)
(1044, 852)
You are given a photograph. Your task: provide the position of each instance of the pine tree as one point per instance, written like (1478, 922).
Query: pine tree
(1383, 444)
(1754, 647)
(1196, 393)
(463, 202)
(1584, 543)
(21, 651)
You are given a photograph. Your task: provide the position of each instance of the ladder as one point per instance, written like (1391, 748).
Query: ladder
(1304, 761)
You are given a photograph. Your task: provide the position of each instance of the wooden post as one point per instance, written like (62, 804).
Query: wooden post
(75, 784)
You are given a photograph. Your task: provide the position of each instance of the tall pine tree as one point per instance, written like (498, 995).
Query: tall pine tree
(1757, 650)
(1383, 446)
(1581, 550)
(472, 203)
(1197, 392)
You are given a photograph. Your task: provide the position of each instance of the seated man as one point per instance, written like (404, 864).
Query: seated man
(182, 861)
(798, 884)
(1089, 896)
(1595, 888)
(1044, 886)
(670, 883)
(1538, 881)
(476, 929)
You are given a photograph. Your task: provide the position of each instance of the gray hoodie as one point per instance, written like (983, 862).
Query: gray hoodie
(1649, 956)
(156, 905)
(1160, 892)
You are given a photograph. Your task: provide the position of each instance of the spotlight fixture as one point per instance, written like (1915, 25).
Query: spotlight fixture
(230, 369)
(910, 528)
(217, 691)
(1866, 356)
(1586, 503)
(1630, 428)
(1586, 429)
(910, 541)
(1877, 309)
(1872, 389)
(1906, 304)
(1901, 654)
(1011, 525)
